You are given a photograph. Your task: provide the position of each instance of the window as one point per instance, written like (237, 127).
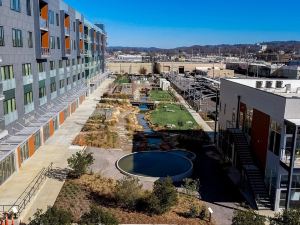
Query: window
(41, 67)
(74, 45)
(30, 42)
(42, 92)
(52, 42)
(51, 17)
(1, 36)
(60, 64)
(58, 43)
(74, 26)
(73, 62)
(78, 76)
(57, 19)
(53, 87)
(68, 62)
(28, 98)
(274, 137)
(26, 69)
(0, 5)
(74, 78)
(52, 65)
(68, 81)
(24, 152)
(9, 106)
(15, 5)
(17, 38)
(7, 72)
(61, 84)
(28, 7)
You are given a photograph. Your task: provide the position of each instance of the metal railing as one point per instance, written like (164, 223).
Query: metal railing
(45, 51)
(43, 23)
(27, 195)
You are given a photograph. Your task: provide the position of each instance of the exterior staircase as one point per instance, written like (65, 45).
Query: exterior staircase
(254, 176)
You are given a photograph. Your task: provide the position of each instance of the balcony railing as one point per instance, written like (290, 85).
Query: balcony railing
(67, 31)
(53, 95)
(52, 73)
(43, 100)
(62, 90)
(43, 23)
(45, 51)
(27, 79)
(69, 87)
(42, 75)
(29, 107)
(61, 71)
(11, 117)
(68, 51)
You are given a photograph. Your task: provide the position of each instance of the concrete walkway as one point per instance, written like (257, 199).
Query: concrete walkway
(57, 150)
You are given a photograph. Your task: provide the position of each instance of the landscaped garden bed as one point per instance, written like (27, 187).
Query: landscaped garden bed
(160, 95)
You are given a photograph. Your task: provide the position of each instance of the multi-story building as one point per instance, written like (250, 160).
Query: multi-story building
(259, 124)
(51, 57)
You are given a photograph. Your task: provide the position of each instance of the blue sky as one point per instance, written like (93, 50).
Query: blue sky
(175, 23)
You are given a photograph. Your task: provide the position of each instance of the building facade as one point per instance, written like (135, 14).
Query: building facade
(51, 57)
(260, 136)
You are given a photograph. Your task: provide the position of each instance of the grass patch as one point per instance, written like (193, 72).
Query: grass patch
(159, 95)
(172, 116)
(122, 79)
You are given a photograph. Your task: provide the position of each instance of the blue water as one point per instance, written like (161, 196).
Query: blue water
(154, 164)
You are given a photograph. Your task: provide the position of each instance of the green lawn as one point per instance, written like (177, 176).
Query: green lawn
(167, 114)
(159, 95)
(122, 80)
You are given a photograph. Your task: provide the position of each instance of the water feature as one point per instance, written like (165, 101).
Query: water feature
(152, 165)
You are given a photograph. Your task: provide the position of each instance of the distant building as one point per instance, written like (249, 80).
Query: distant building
(129, 58)
(259, 134)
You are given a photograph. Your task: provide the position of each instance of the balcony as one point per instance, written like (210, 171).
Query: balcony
(67, 31)
(43, 24)
(27, 79)
(68, 51)
(43, 100)
(42, 76)
(52, 73)
(53, 95)
(8, 84)
(29, 107)
(62, 90)
(11, 117)
(45, 51)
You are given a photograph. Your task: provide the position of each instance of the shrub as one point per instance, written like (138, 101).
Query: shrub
(163, 197)
(50, 217)
(287, 217)
(191, 186)
(194, 211)
(128, 191)
(98, 216)
(202, 214)
(248, 217)
(80, 162)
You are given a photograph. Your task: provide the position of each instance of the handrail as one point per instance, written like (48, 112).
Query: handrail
(28, 193)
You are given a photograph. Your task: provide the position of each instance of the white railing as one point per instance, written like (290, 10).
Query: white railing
(42, 75)
(68, 51)
(43, 23)
(29, 107)
(43, 100)
(53, 95)
(9, 84)
(45, 51)
(11, 117)
(52, 73)
(27, 79)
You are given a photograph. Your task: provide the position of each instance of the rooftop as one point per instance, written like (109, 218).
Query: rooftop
(287, 88)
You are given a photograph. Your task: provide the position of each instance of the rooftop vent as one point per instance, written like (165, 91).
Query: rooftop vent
(268, 84)
(279, 84)
(288, 88)
(259, 84)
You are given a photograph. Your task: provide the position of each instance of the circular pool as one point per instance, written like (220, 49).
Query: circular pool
(153, 165)
(190, 155)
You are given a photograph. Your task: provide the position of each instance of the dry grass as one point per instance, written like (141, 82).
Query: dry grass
(78, 195)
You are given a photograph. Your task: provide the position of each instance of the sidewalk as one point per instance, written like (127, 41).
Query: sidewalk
(56, 150)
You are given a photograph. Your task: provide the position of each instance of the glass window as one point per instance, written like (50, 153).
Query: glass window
(274, 137)
(61, 83)
(58, 43)
(52, 65)
(15, 5)
(1, 36)
(26, 69)
(30, 42)
(37, 140)
(52, 42)
(42, 92)
(28, 7)
(17, 38)
(41, 67)
(28, 98)
(57, 19)
(6, 72)
(74, 78)
(68, 80)
(9, 106)
(53, 87)
(24, 152)
(7, 167)
(60, 64)
(51, 17)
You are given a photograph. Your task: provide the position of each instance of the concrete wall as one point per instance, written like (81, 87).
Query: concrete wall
(130, 68)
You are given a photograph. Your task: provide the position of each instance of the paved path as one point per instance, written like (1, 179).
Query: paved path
(57, 150)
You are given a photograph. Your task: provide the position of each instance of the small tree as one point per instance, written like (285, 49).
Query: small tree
(80, 162)
(163, 197)
(143, 70)
(51, 216)
(98, 216)
(247, 217)
(191, 186)
(128, 191)
(287, 217)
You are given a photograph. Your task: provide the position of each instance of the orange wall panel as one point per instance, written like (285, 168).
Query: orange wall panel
(80, 28)
(31, 146)
(67, 42)
(44, 12)
(67, 21)
(260, 136)
(45, 40)
(51, 127)
(61, 118)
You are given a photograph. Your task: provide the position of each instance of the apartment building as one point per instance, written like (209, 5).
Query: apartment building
(51, 58)
(259, 124)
